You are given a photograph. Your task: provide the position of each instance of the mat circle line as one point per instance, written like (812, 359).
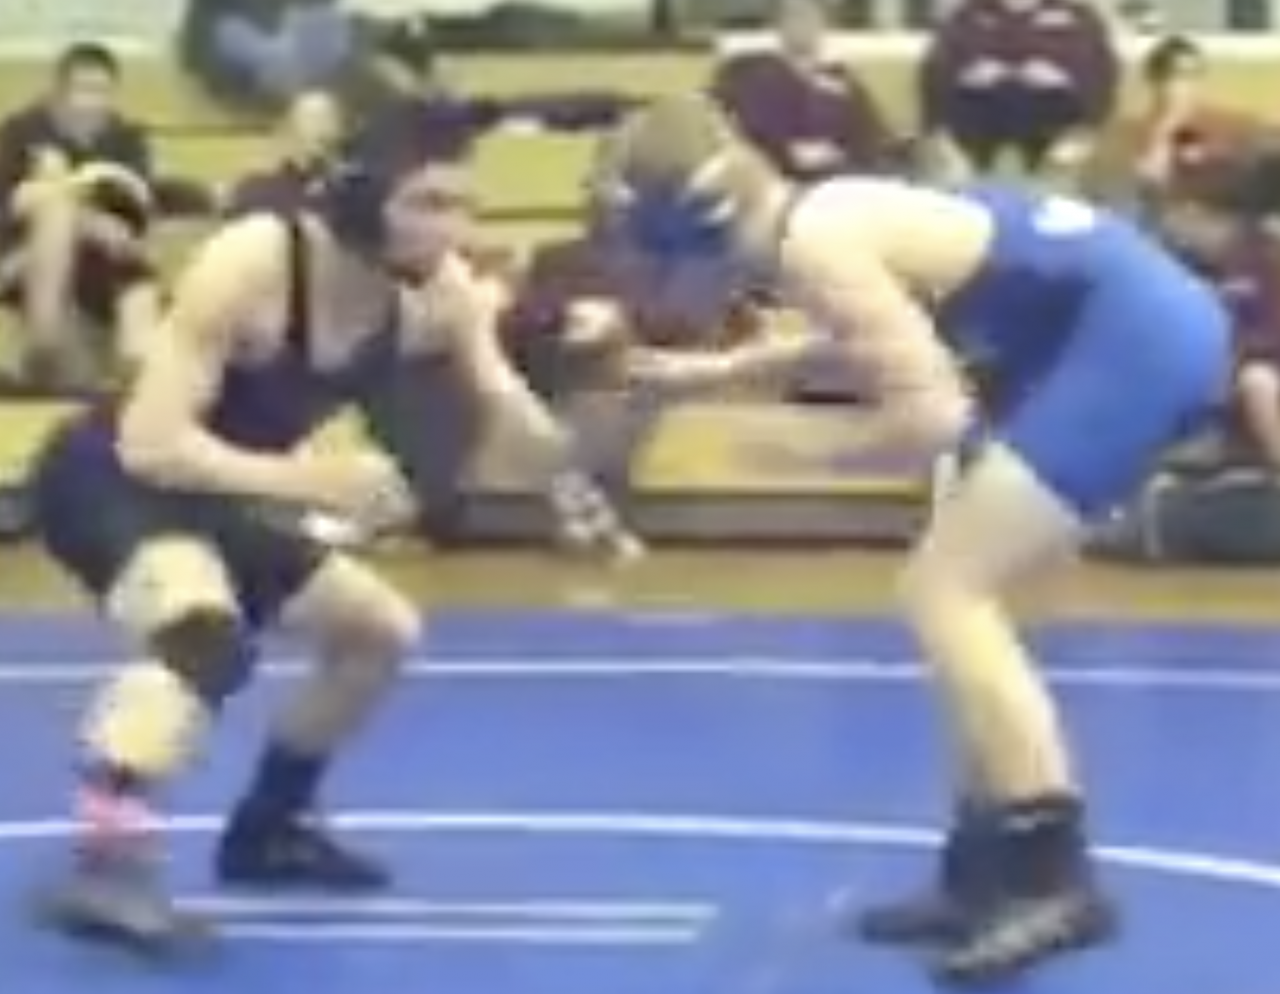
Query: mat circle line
(786, 831)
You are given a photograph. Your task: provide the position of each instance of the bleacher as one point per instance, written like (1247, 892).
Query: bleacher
(529, 186)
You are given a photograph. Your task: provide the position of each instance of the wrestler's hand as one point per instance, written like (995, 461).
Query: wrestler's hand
(672, 370)
(365, 488)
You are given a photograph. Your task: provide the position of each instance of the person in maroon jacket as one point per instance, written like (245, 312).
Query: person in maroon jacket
(582, 303)
(810, 114)
(1031, 76)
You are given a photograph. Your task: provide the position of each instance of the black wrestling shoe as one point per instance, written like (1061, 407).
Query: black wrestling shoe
(942, 914)
(119, 901)
(294, 854)
(1024, 933)
(1049, 901)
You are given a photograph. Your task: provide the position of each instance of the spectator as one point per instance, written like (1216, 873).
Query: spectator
(1218, 223)
(583, 301)
(259, 54)
(400, 61)
(1253, 291)
(403, 64)
(583, 297)
(1038, 77)
(1180, 134)
(1176, 138)
(76, 183)
(311, 133)
(809, 113)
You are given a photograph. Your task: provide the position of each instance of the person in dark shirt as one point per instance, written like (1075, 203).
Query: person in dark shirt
(808, 113)
(1038, 77)
(312, 131)
(76, 198)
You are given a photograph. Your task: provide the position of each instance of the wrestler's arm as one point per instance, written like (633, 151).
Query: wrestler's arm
(920, 402)
(162, 438)
(470, 312)
(765, 360)
(466, 309)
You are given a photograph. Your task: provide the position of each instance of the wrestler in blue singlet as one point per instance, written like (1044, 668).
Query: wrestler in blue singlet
(1111, 349)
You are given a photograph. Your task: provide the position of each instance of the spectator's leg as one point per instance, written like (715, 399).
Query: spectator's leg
(1258, 392)
(321, 42)
(50, 251)
(974, 129)
(266, 58)
(1052, 118)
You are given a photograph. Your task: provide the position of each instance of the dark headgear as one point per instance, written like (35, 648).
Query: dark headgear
(379, 153)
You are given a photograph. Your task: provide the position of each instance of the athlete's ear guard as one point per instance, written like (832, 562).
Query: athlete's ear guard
(693, 222)
(663, 214)
(352, 203)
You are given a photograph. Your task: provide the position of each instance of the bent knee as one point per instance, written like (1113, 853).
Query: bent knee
(926, 586)
(167, 579)
(384, 625)
(394, 628)
(350, 610)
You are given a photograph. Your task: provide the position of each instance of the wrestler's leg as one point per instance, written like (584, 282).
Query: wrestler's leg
(1003, 723)
(173, 597)
(362, 629)
(1083, 440)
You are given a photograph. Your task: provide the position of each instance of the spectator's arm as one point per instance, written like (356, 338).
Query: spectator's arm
(29, 176)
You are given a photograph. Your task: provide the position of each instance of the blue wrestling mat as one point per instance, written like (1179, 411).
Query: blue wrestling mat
(605, 804)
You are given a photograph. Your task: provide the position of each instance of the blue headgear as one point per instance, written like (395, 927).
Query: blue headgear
(661, 218)
(688, 225)
(381, 152)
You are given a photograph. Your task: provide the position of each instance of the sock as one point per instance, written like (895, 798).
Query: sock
(1043, 845)
(141, 729)
(284, 786)
(113, 808)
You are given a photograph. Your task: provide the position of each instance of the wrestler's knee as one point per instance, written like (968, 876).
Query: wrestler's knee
(351, 612)
(174, 595)
(150, 716)
(930, 586)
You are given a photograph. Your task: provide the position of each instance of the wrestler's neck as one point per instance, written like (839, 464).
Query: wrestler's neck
(349, 276)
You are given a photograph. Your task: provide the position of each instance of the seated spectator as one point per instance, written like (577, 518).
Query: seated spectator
(259, 54)
(1176, 132)
(77, 190)
(808, 112)
(1036, 77)
(1255, 292)
(1216, 224)
(311, 132)
(400, 61)
(582, 302)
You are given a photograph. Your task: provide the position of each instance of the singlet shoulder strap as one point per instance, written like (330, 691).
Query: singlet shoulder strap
(297, 332)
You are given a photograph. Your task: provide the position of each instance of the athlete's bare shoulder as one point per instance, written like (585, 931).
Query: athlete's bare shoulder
(930, 238)
(235, 280)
